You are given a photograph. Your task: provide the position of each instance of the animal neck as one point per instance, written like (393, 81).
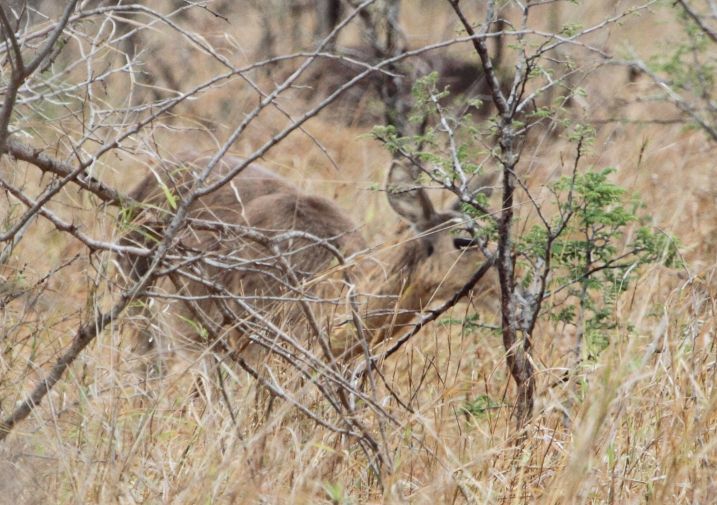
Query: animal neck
(390, 298)
(391, 313)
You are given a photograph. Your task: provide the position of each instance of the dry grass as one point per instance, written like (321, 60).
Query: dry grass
(637, 425)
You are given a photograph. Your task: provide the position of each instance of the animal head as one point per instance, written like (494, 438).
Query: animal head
(443, 254)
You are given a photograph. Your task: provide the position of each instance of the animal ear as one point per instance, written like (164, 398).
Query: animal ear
(407, 197)
(479, 184)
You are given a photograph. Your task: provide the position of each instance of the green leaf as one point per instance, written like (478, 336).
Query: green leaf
(480, 405)
(171, 199)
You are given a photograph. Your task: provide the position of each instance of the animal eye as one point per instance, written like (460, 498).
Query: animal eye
(429, 249)
(462, 243)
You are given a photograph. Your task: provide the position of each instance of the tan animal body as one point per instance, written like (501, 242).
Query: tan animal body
(258, 258)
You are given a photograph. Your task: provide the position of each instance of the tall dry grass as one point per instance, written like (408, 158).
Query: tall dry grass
(636, 425)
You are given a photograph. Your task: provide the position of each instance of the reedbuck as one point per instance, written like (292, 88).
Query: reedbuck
(261, 262)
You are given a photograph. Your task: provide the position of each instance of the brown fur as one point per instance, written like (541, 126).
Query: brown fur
(425, 267)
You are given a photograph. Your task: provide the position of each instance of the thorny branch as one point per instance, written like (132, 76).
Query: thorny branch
(168, 258)
(517, 347)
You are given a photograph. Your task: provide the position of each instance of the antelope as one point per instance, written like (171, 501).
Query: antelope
(259, 253)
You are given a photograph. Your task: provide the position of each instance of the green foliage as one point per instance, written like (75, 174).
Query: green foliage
(596, 254)
(429, 147)
(687, 63)
(479, 406)
(336, 493)
(200, 330)
(585, 253)
(687, 59)
(425, 94)
(469, 324)
(571, 29)
(169, 195)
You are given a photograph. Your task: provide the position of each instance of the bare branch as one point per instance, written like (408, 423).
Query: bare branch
(482, 50)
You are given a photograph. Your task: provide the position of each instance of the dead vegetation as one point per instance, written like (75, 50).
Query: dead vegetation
(632, 424)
